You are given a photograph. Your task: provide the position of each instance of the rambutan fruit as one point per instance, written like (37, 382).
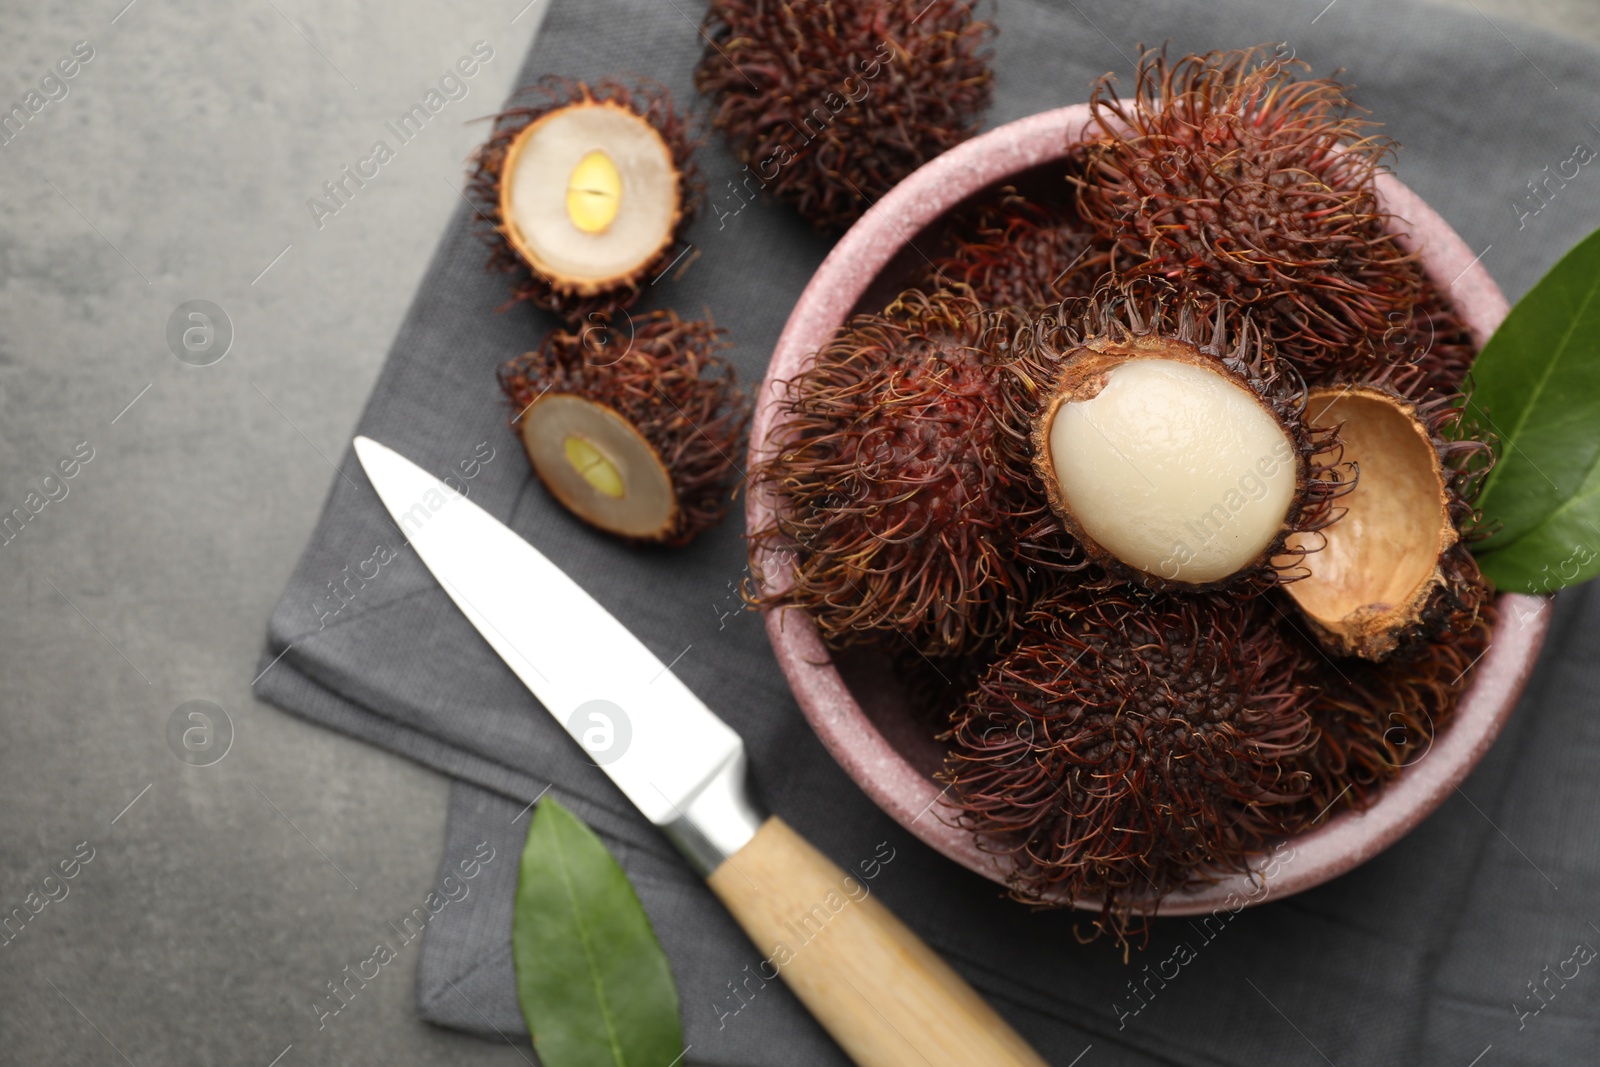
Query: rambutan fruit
(1394, 570)
(588, 189)
(896, 492)
(635, 435)
(1131, 745)
(1430, 350)
(1179, 461)
(1227, 174)
(830, 103)
(1375, 719)
(1017, 252)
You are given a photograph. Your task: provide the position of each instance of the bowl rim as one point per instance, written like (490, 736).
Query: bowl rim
(1339, 844)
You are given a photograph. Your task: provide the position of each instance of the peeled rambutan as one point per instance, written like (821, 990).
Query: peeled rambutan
(634, 427)
(1226, 174)
(1017, 252)
(895, 485)
(1394, 570)
(1177, 459)
(1131, 745)
(587, 189)
(829, 103)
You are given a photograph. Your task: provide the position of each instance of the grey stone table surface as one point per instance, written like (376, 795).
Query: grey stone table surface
(174, 165)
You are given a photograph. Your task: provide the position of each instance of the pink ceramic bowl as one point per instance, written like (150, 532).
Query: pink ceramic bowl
(854, 703)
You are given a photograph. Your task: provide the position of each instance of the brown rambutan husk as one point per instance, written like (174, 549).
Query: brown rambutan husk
(1012, 251)
(1226, 174)
(662, 375)
(1144, 316)
(780, 79)
(899, 493)
(646, 98)
(1451, 606)
(1131, 745)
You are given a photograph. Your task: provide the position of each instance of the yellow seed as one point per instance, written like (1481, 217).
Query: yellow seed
(596, 469)
(594, 193)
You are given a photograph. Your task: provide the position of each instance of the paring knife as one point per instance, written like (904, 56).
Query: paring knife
(886, 998)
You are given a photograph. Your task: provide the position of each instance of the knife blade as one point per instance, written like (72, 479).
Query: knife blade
(887, 998)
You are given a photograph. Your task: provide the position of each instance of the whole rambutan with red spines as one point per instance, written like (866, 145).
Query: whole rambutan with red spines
(830, 103)
(632, 425)
(1020, 252)
(1431, 349)
(896, 489)
(584, 191)
(1130, 745)
(1373, 720)
(1226, 174)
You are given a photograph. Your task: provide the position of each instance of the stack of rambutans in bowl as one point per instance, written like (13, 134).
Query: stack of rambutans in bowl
(1111, 496)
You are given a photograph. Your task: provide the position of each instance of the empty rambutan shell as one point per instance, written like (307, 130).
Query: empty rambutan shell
(588, 189)
(1393, 570)
(632, 428)
(899, 502)
(1226, 174)
(829, 103)
(1177, 461)
(1131, 745)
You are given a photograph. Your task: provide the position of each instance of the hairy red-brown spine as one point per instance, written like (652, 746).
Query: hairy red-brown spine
(831, 102)
(898, 495)
(1131, 745)
(1226, 174)
(1012, 251)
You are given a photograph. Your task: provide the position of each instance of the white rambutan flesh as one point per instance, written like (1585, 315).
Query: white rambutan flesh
(1173, 468)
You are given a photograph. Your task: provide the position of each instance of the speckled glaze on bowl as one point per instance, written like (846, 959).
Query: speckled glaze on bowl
(854, 705)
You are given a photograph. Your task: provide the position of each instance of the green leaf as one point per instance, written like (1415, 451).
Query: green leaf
(1538, 390)
(592, 979)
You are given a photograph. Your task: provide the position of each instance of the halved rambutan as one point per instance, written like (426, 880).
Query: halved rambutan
(1394, 570)
(1226, 174)
(587, 189)
(830, 103)
(1176, 459)
(1131, 745)
(1012, 251)
(896, 486)
(633, 427)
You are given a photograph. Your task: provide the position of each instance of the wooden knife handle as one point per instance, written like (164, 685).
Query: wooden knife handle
(886, 998)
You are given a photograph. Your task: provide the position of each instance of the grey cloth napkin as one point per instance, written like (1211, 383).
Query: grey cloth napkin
(1429, 954)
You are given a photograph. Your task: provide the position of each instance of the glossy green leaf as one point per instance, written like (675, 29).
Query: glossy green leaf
(1538, 390)
(592, 979)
